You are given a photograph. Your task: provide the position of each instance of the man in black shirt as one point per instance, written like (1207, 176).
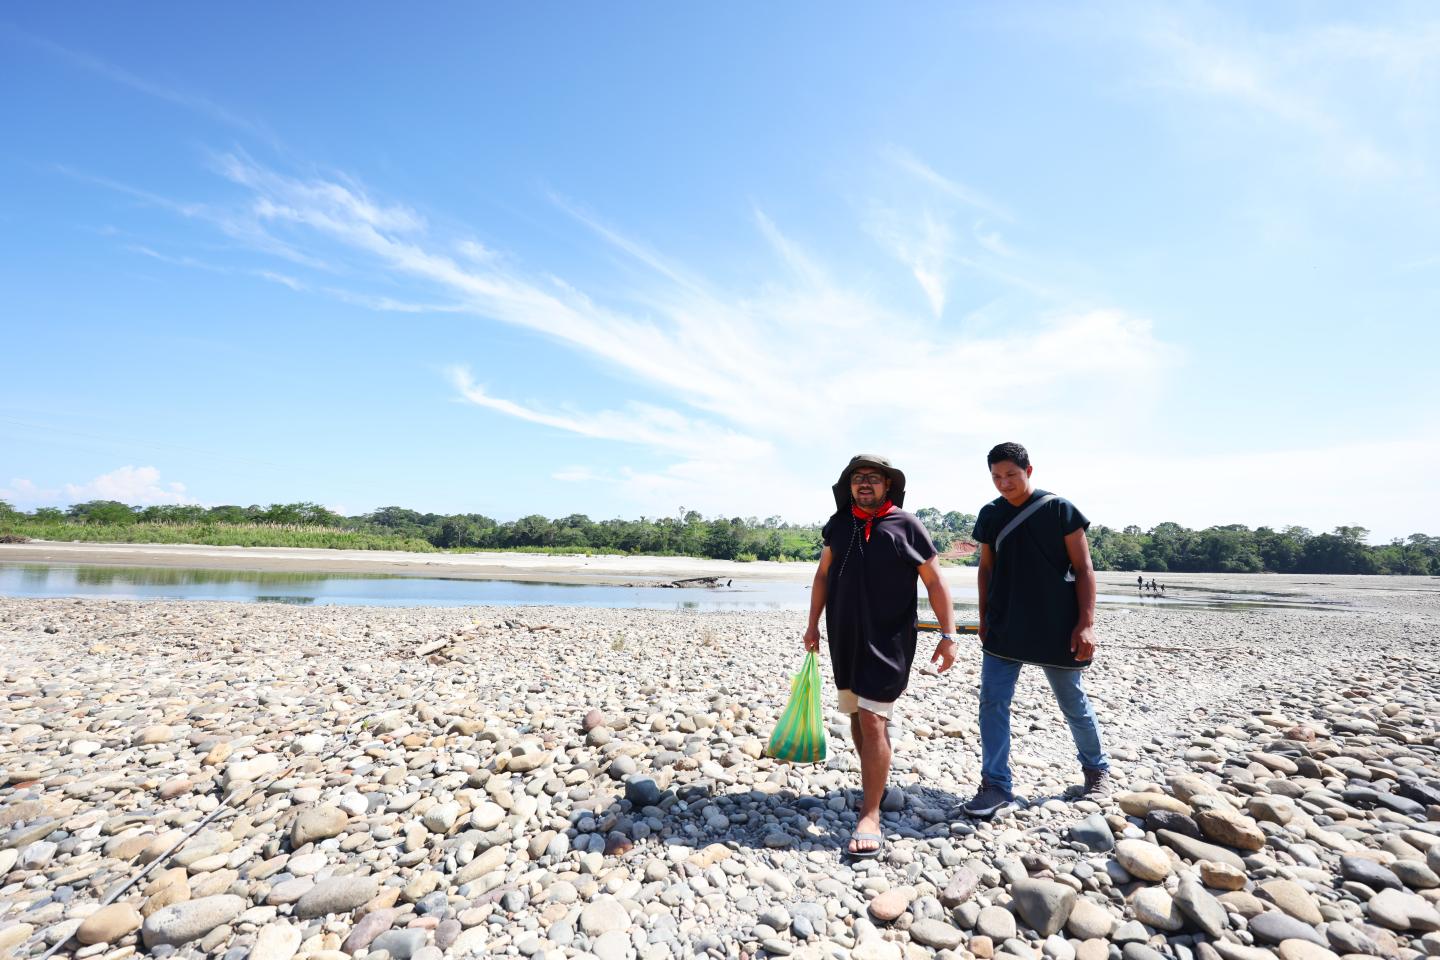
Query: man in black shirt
(874, 554)
(1037, 606)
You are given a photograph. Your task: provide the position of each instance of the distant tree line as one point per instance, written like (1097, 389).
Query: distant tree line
(1235, 548)
(1167, 547)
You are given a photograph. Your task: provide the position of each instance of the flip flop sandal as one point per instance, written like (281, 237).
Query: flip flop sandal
(865, 854)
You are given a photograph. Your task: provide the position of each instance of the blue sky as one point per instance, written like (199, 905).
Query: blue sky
(621, 260)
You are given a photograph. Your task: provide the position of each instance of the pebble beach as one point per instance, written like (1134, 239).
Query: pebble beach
(191, 779)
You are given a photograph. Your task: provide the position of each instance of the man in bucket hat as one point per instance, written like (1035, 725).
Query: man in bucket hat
(874, 554)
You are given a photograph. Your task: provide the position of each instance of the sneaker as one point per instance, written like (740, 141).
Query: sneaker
(1099, 784)
(987, 800)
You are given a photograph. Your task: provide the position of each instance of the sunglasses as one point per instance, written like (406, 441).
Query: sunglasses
(874, 479)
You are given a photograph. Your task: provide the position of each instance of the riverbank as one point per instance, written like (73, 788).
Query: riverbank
(536, 567)
(566, 782)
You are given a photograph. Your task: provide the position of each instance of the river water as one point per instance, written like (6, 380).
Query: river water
(183, 583)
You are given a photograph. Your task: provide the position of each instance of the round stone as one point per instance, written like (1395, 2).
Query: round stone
(1044, 905)
(367, 929)
(276, 941)
(487, 816)
(1221, 876)
(1156, 908)
(1292, 898)
(441, 817)
(109, 924)
(1304, 950)
(1140, 804)
(317, 823)
(1088, 920)
(888, 906)
(997, 923)
(1272, 926)
(1142, 860)
(336, 895)
(1231, 828)
(937, 934)
(400, 944)
(602, 915)
(180, 923)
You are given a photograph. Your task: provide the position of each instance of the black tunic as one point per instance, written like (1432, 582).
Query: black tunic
(1031, 609)
(870, 601)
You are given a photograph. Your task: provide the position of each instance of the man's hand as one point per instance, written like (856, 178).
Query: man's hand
(944, 655)
(1082, 643)
(812, 639)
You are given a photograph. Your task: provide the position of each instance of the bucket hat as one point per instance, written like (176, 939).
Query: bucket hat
(874, 461)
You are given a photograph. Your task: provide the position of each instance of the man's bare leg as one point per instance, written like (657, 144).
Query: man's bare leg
(857, 733)
(872, 737)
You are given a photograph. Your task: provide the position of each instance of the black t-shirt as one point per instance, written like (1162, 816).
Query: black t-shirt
(870, 601)
(1031, 608)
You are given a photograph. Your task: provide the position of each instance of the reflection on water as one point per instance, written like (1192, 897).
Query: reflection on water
(305, 589)
(353, 589)
(184, 576)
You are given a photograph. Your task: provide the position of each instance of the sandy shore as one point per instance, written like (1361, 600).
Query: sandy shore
(566, 782)
(465, 566)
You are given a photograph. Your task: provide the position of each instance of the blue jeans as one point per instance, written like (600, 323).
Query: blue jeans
(997, 688)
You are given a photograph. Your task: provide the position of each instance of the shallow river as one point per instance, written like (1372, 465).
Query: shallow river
(174, 583)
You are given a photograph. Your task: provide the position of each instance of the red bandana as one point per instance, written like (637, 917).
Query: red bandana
(868, 517)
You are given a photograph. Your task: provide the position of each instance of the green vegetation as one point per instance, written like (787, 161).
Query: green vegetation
(1167, 547)
(396, 528)
(1238, 549)
(946, 529)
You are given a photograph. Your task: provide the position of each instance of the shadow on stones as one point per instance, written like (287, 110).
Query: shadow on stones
(786, 819)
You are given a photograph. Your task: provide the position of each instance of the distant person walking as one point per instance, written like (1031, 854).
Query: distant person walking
(1037, 606)
(1140, 582)
(874, 554)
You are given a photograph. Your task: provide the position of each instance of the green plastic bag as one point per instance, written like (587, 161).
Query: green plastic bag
(799, 737)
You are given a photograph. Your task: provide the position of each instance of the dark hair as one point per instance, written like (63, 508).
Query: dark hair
(1008, 451)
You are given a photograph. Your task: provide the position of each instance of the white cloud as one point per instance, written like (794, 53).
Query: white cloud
(183, 98)
(1354, 101)
(641, 424)
(285, 280)
(926, 246)
(947, 186)
(137, 486)
(778, 382)
(578, 474)
(23, 492)
(474, 251)
(133, 485)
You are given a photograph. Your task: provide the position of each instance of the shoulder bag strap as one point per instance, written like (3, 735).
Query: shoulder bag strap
(1021, 517)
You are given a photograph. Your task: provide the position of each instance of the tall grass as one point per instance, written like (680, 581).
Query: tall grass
(214, 535)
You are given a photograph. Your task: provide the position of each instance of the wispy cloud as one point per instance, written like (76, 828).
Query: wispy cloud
(947, 186)
(177, 95)
(632, 248)
(642, 424)
(771, 379)
(579, 475)
(193, 263)
(926, 245)
(943, 232)
(1359, 98)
